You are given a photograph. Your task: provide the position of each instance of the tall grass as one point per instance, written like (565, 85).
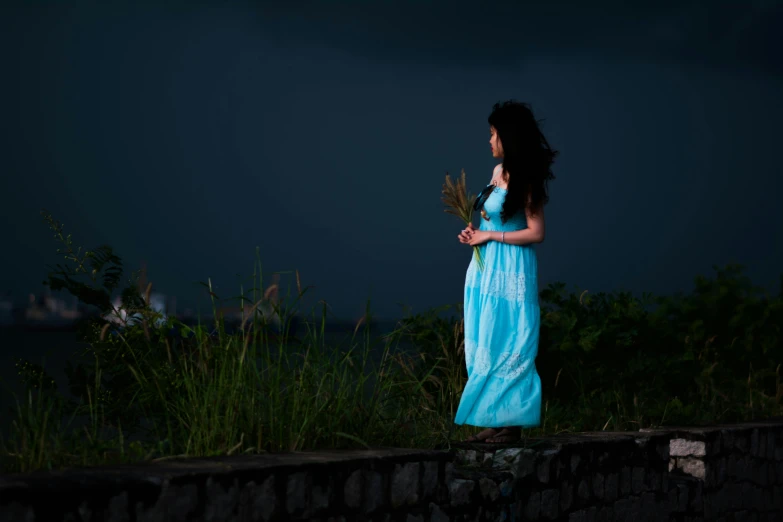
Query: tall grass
(158, 388)
(209, 392)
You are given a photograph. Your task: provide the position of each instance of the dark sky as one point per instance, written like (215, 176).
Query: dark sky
(321, 132)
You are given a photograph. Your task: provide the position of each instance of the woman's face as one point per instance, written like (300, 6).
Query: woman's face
(494, 143)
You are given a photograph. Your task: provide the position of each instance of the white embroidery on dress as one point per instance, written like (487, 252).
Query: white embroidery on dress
(498, 283)
(470, 350)
(508, 285)
(507, 366)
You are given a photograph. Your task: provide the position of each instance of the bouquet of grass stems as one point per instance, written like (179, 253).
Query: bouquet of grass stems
(460, 203)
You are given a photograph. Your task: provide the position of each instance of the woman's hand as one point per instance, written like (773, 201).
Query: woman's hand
(478, 237)
(466, 233)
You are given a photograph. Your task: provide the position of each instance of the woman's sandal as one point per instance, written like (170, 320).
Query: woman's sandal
(483, 436)
(505, 436)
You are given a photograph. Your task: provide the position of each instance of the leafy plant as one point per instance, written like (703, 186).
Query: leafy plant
(157, 387)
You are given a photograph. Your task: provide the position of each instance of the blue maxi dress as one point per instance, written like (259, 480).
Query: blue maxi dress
(502, 319)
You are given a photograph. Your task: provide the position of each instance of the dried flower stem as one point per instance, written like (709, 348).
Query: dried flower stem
(460, 203)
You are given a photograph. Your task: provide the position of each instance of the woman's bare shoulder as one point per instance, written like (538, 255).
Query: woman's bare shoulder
(497, 174)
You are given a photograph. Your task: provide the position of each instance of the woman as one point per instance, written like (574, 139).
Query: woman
(502, 317)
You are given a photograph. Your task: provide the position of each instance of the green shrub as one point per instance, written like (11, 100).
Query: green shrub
(606, 361)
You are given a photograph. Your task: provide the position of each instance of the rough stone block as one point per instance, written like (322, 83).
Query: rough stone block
(662, 449)
(352, 490)
(16, 512)
(517, 460)
(489, 490)
(405, 484)
(296, 492)
(747, 492)
(610, 487)
(731, 466)
(648, 502)
(761, 474)
(604, 514)
(687, 448)
(460, 491)
(714, 444)
(448, 471)
(696, 498)
(719, 507)
(682, 498)
(757, 500)
(429, 484)
(766, 502)
(711, 505)
(622, 508)
(258, 501)
(545, 465)
(770, 445)
(533, 505)
(182, 500)
(320, 497)
(85, 512)
(742, 442)
(437, 514)
(721, 471)
(499, 513)
(118, 509)
(745, 468)
(550, 503)
(575, 460)
(634, 508)
(691, 466)
(507, 488)
(733, 496)
(598, 486)
(673, 500)
(652, 480)
(727, 439)
(637, 480)
(469, 457)
(625, 481)
(583, 489)
(566, 495)
(374, 492)
(603, 457)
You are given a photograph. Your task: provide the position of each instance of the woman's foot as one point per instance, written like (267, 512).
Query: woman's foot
(482, 436)
(506, 435)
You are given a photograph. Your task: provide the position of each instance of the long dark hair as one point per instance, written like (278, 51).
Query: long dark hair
(527, 157)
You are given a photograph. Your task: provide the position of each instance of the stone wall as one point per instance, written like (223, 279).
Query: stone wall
(722, 473)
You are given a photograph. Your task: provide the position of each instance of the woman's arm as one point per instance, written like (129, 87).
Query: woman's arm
(534, 233)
